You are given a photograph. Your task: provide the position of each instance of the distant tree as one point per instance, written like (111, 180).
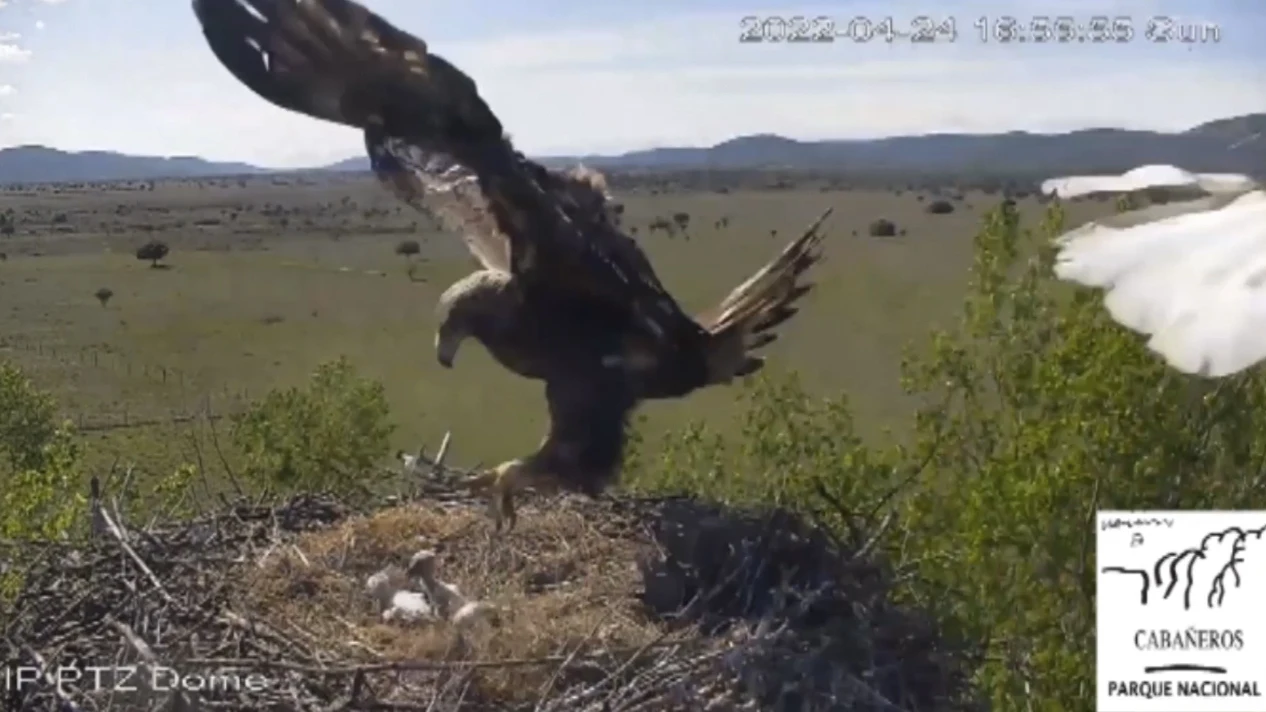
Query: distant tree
(154, 250)
(882, 228)
(8, 223)
(939, 207)
(408, 248)
(682, 219)
(103, 295)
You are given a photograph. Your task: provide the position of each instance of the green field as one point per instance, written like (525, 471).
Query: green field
(267, 279)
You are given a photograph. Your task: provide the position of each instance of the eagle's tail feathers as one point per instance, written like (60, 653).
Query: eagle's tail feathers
(744, 320)
(751, 365)
(761, 340)
(774, 317)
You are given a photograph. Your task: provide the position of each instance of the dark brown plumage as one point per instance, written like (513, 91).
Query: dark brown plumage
(564, 296)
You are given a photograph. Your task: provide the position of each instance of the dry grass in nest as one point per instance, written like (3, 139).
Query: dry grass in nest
(562, 582)
(767, 612)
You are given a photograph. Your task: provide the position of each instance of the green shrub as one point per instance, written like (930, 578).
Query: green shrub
(790, 449)
(39, 462)
(40, 496)
(326, 436)
(1036, 411)
(1046, 411)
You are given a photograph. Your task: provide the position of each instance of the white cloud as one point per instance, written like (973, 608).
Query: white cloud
(13, 54)
(52, 2)
(39, 24)
(10, 36)
(8, 117)
(684, 80)
(7, 90)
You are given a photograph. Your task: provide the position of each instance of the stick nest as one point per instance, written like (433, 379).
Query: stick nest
(616, 604)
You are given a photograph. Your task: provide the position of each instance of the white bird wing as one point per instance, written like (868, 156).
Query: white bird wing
(1150, 214)
(1193, 281)
(1151, 176)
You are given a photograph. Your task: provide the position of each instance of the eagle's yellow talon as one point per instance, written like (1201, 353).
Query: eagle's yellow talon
(499, 485)
(501, 509)
(507, 509)
(494, 512)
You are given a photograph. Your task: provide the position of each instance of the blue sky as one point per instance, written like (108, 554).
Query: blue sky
(578, 76)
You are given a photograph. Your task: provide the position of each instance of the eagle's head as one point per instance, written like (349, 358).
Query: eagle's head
(477, 305)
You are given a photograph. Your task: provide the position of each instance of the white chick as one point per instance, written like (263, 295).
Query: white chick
(449, 601)
(397, 604)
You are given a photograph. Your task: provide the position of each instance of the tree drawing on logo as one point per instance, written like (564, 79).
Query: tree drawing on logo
(1205, 572)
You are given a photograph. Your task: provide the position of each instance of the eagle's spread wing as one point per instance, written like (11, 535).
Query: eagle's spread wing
(433, 183)
(336, 60)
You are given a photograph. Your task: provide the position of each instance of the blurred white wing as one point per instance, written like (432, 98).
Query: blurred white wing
(1193, 281)
(1118, 222)
(1154, 176)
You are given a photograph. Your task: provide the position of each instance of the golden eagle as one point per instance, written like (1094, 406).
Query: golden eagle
(563, 295)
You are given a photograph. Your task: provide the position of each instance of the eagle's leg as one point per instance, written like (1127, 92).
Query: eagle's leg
(499, 483)
(502, 481)
(501, 502)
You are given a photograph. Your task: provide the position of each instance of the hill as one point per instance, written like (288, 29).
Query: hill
(1202, 148)
(41, 164)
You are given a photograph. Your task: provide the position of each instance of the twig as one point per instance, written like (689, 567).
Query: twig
(442, 453)
(179, 699)
(403, 665)
(97, 517)
(866, 548)
(549, 685)
(118, 535)
(48, 678)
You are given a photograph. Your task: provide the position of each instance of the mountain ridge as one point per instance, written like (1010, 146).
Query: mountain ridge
(1206, 147)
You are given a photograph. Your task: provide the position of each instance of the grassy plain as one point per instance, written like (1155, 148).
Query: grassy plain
(268, 278)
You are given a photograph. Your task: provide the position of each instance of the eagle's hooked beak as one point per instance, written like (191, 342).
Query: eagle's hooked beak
(446, 343)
